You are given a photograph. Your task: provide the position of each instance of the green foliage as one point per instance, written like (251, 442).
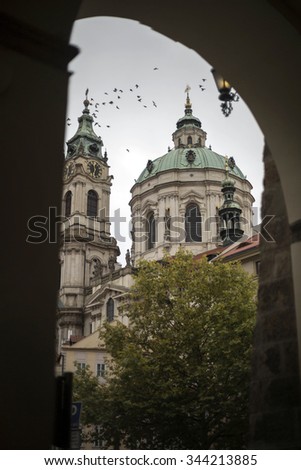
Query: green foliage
(180, 374)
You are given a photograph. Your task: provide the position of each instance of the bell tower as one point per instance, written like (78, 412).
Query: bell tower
(87, 248)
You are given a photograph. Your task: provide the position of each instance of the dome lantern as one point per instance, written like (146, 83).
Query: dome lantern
(189, 128)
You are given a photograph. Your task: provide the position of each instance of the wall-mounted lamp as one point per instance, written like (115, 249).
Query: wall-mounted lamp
(226, 96)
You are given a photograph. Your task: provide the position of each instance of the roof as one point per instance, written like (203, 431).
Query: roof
(88, 342)
(188, 119)
(242, 248)
(237, 249)
(203, 157)
(85, 141)
(214, 252)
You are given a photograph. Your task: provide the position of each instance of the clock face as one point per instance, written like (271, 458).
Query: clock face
(68, 170)
(94, 169)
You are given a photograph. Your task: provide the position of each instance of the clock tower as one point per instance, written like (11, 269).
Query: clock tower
(87, 249)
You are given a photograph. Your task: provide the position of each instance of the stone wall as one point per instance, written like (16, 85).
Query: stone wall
(275, 413)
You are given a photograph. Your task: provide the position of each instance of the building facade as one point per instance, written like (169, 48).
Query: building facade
(176, 200)
(191, 197)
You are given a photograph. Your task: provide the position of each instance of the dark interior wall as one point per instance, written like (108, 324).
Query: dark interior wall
(33, 87)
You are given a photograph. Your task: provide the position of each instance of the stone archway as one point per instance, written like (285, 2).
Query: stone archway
(34, 81)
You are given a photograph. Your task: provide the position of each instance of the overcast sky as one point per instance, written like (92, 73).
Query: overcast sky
(119, 53)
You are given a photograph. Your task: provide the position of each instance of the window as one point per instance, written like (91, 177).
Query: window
(81, 365)
(151, 231)
(100, 370)
(68, 201)
(257, 267)
(193, 224)
(189, 140)
(110, 310)
(92, 204)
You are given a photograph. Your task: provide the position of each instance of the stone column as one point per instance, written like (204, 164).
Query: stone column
(162, 205)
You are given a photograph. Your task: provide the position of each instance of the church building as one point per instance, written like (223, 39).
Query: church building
(191, 197)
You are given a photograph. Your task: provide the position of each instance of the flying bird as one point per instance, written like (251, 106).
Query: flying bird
(154, 104)
(108, 126)
(204, 79)
(68, 119)
(117, 107)
(131, 89)
(96, 105)
(121, 91)
(103, 102)
(106, 93)
(156, 68)
(94, 115)
(127, 150)
(140, 99)
(145, 106)
(68, 124)
(136, 86)
(115, 89)
(111, 102)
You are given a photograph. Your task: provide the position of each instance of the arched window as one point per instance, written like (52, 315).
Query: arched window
(151, 231)
(193, 224)
(110, 310)
(92, 204)
(68, 201)
(189, 140)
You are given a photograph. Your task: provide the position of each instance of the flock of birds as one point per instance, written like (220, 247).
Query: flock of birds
(113, 100)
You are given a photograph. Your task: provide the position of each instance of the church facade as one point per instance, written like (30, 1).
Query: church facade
(177, 198)
(190, 197)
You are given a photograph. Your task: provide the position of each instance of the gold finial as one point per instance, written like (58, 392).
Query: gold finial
(86, 101)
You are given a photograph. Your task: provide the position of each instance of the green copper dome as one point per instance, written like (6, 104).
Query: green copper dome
(187, 159)
(190, 151)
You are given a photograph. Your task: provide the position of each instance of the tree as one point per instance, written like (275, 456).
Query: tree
(179, 374)
(86, 390)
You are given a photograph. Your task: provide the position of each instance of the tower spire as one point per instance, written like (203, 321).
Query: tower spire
(85, 141)
(189, 131)
(188, 109)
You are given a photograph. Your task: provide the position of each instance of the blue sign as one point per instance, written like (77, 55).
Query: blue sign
(75, 414)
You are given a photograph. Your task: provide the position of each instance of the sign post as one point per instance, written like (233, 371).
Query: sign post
(75, 421)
